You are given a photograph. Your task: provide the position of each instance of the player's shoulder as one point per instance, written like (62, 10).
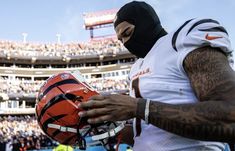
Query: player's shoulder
(197, 30)
(138, 63)
(197, 23)
(202, 24)
(136, 66)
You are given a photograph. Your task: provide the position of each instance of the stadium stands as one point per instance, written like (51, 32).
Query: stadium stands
(19, 132)
(24, 67)
(10, 49)
(22, 73)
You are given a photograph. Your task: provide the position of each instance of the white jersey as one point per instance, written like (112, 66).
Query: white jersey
(160, 76)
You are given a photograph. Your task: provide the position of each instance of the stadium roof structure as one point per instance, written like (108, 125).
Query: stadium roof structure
(100, 19)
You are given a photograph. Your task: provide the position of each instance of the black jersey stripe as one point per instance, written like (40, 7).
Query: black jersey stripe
(202, 22)
(174, 38)
(67, 81)
(215, 29)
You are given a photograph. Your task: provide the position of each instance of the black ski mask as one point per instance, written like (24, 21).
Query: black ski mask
(147, 30)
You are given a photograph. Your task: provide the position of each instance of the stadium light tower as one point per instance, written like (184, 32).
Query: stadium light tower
(58, 38)
(24, 37)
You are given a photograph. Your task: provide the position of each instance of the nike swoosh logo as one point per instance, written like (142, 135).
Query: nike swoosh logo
(212, 37)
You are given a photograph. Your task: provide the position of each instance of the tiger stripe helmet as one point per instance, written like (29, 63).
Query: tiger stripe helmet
(57, 111)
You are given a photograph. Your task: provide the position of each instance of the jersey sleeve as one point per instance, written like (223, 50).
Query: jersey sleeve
(198, 33)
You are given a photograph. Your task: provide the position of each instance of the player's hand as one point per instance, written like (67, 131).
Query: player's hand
(109, 108)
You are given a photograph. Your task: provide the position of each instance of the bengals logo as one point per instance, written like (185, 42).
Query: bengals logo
(64, 76)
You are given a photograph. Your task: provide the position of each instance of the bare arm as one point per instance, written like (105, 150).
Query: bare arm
(214, 84)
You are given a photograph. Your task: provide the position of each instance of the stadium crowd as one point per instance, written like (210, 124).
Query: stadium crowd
(19, 86)
(31, 87)
(109, 84)
(95, 47)
(21, 133)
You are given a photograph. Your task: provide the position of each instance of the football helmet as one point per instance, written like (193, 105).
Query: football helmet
(57, 111)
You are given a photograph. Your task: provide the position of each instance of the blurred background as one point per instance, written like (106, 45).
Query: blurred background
(42, 38)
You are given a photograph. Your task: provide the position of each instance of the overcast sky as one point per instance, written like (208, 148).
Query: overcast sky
(43, 19)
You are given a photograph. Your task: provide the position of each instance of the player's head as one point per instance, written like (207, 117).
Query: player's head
(138, 27)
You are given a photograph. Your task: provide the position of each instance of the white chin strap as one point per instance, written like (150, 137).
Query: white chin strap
(110, 133)
(62, 128)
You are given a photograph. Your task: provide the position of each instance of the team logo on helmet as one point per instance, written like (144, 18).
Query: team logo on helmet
(64, 76)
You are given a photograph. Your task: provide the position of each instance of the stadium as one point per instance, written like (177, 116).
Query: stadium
(25, 65)
(103, 61)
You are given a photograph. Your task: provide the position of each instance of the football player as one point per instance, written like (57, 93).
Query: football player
(181, 87)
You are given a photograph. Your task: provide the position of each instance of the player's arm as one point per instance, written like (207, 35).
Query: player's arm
(213, 118)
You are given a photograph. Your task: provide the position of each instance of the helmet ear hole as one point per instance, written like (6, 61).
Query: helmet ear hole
(70, 96)
(73, 97)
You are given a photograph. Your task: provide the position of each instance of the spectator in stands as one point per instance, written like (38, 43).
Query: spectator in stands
(22, 86)
(22, 133)
(109, 46)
